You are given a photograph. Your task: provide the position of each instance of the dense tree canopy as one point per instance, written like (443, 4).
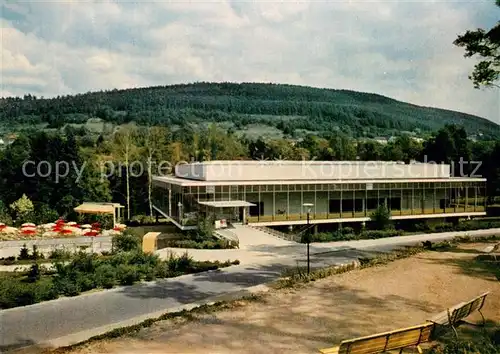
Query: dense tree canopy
(87, 155)
(485, 45)
(289, 108)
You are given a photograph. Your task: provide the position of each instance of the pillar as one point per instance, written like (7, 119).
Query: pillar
(274, 203)
(412, 197)
(466, 207)
(423, 198)
(434, 200)
(341, 196)
(169, 202)
(287, 202)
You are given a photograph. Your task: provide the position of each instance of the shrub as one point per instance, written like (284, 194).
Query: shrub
(59, 254)
(144, 259)
(347, 230)
(120, 258)
(34, 273)
(381, 218)
(36, 255)
(184, 244)
(442, 227)
(127, 274)
(8, 260)
(84, 262)
(126, 242)
(478, 346)
(85, 281)
(205, 229)
(138, 220)
(319, 237)
(375, 234)
(105, 276)
(207, 244)
(185, 262)
(204, 266)
(14, 292)
(179, 264)
(66, 286)
(24, 254)
(422, 227)
(147, 272)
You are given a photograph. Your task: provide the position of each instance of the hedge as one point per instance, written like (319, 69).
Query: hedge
(90, 271)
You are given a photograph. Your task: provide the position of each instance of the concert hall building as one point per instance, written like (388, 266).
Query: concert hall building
(277, 193)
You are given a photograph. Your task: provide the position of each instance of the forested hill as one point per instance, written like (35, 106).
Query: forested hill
(289, 108)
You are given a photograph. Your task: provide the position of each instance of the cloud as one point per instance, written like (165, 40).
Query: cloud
(400, 49)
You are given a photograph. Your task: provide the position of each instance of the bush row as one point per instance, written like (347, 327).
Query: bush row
(347, 234)
(25, 256)
(215, 244)
(461, 226)
(89, 271)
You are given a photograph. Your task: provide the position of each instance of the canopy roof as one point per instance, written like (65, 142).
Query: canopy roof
(97, 208)
(227, 203)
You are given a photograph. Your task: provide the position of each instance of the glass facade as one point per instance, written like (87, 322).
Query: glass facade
(284, 202)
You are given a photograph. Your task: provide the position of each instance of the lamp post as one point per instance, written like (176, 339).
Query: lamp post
(308, 233)
(179, 205)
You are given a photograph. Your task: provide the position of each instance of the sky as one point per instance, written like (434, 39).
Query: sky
(401, 49)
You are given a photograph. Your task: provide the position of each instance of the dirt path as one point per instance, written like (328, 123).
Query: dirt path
(323, 313)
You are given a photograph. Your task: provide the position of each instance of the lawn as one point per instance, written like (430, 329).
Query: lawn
(322, 313)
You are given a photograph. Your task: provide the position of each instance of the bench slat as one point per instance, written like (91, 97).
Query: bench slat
(332, 350)
(386, 341)
(460, 311)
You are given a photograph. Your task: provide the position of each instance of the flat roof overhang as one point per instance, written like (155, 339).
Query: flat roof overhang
(97, 208)
(193, 183)
(227, 204)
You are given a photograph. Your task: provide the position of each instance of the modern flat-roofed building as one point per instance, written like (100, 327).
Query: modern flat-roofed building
(267, 193)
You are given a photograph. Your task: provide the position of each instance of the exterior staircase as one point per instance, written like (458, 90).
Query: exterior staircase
(227, 235)
(276, 233)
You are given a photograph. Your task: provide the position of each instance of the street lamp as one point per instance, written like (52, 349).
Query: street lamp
(308, 233)
(179, 205)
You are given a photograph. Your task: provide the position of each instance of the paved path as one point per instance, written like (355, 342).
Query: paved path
(68, 320)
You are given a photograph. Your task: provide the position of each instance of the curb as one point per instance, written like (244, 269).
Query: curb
(79, 337)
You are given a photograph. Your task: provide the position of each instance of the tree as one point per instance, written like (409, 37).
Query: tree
(450, 145)
(22, 208)
(381, 218)
(155, 143)
(485, 45)
(4, 214)
(125, 150)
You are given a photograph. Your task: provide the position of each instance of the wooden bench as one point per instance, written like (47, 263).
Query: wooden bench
(385, 342)
(455, 315)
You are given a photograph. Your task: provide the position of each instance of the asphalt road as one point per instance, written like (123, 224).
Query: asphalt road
(51, 320)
